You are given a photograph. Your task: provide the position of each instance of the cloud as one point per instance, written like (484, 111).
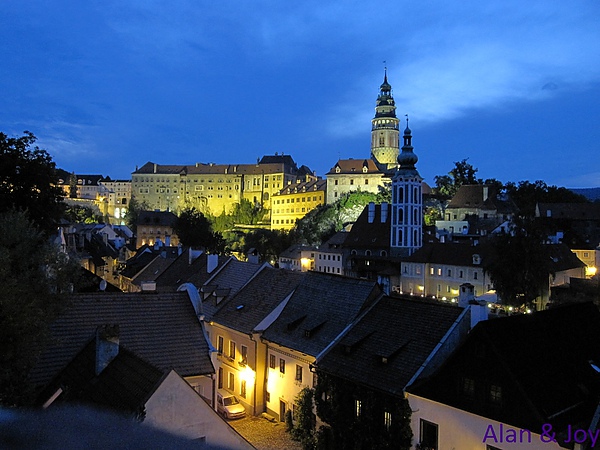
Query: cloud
(478, 56)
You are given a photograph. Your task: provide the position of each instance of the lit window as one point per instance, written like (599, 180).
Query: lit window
(387, 420)
(357, 407)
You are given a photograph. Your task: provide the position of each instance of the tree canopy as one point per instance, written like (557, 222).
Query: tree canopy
(520, 267)
(29, 181)
(35, 279)
(194, 230)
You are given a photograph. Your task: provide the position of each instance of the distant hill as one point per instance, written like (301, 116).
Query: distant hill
(591, 194)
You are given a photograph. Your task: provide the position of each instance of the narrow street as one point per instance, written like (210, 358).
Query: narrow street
(264, 434)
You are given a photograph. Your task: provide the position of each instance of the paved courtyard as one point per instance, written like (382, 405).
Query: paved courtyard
(264, 434)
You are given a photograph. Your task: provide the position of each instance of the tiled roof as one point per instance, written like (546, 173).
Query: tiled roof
(157, 218)
(320, 308)
(124, 385)
(402, 331)
(365, 235)
(231, 277)
(295, 251)
(153, 270)
(306, 186)
(245, 310)
(151, 167)
(354, 167)
(573, 211)
(542, 362)
(162, 328)
(181, 271)
(452, 254)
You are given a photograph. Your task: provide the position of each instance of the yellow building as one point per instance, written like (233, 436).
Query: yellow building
(214, 188)
(294, 201)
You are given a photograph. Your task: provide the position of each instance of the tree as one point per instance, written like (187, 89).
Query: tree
(29, 181)
(268, 243)
(36, 279)
(303, 430)
(194, 230)
(463, 173)
(520, 264)
(527, 195)
(133, 212)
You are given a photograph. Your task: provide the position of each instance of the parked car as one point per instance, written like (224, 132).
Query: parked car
(229, 406)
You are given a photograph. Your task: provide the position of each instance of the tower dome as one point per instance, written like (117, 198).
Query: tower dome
(407, 159)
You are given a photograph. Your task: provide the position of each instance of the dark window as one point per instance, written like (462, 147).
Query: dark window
(298, 373)
(495, 394)
(220, 345)
(282, 365)
(428, 434)
(468, 387)
(272, 362)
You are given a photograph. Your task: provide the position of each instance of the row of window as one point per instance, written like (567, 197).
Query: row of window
(330, 257)
(273, 365)
(232, 350)
(351, 182)
(328, 269)
(231, 382)
(291, 200)
(287, 210)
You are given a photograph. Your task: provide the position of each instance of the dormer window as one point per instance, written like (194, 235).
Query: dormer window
(476, 259)
(365, 169)
(337, 169)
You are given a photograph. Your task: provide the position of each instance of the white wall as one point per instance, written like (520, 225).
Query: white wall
(460, 430)
(175, 407)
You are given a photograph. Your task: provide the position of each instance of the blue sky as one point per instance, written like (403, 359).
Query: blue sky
(107, 85)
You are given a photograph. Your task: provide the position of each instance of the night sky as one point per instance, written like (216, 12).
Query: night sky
(108, 85)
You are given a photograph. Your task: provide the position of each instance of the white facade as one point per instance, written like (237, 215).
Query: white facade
(176, 408)
(457, 429)
(288, 372)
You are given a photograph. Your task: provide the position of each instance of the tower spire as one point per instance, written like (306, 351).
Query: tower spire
(385, 128)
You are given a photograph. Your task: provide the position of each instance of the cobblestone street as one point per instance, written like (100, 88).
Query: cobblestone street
(264, 434)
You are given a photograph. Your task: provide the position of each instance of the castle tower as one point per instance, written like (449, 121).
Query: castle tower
(385, 128)
(407, 202)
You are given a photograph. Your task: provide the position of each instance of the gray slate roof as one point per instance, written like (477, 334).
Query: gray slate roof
(244, 311)
(402, 331)
(227, 281)
(161, 328)
(320, 308)
(124, 385)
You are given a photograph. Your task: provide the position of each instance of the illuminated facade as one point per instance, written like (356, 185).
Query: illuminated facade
(385, 129)
(214, 188)
(294, 201)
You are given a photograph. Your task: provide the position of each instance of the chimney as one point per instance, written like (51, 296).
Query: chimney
(211, 262)
(485, 193)
(107, 346)
(384, 212)
(193, 255)
(479, 312)
(466, 293)
(155, 167)
(371, 212)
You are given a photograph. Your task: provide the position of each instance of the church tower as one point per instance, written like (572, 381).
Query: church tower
(407, 202)
(385, 128)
